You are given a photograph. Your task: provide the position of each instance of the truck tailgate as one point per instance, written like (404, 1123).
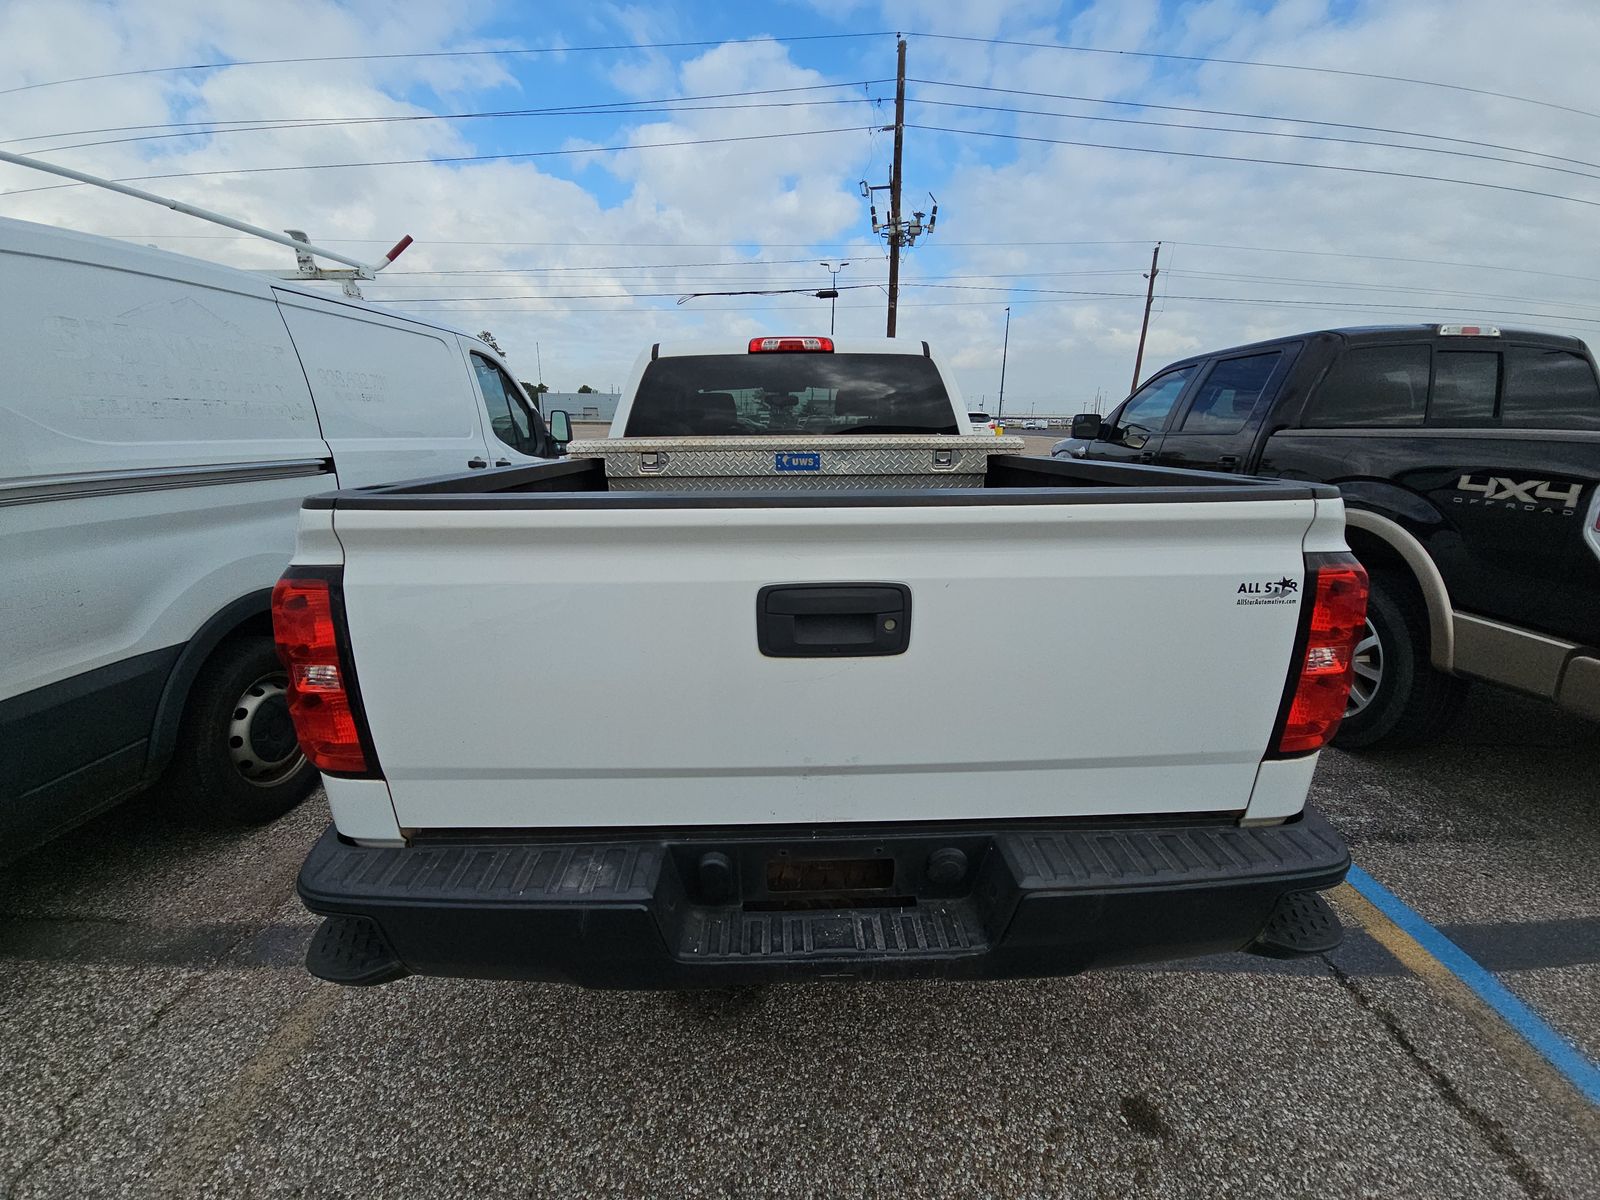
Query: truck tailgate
(600, 667)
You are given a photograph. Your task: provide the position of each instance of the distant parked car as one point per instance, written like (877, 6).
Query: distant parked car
(982, 422)
(1469, 462)
(1034, 423)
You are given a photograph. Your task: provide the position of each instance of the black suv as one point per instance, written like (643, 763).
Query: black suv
(1468, 458)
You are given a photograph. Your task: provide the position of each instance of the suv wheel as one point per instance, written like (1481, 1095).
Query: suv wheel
(237, 760)
(1397, 698)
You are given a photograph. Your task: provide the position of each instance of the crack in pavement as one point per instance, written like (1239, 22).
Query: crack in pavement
(1492, 1132)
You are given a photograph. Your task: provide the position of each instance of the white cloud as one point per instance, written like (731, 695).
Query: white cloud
(766, 196)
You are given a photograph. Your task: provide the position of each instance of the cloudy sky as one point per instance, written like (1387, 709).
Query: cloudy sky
(587, 164)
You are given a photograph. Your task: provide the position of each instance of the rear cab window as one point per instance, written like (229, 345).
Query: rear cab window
(1372, 385)
(1444, 385)
(712, 395)
(1549, 389)
(1465, 384)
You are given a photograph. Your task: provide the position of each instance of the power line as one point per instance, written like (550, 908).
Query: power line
(742, 262)
(599, 106)
(1277, 66)
(1086, 294)
(654, 108)
(569, 244)
(464, 158)
(1250, 116)
(554, 112)
(864, 250)
(1427, 262)
(1355, 285)
(612, 295)
(1271, 133)
(505, 52)
(1245, 158)
(1279, 301)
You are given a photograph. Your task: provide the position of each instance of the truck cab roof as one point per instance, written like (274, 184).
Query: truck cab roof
(1356, 335)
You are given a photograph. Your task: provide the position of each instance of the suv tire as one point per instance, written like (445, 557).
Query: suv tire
(237, 761)
(1412, 702)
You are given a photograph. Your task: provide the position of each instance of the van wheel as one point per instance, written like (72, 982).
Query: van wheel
(237, 760)
(1397, 699)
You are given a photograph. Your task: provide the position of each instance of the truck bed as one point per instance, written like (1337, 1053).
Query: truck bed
(536, 650)
(580, 482)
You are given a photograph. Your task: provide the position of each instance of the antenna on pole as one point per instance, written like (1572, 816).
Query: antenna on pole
(293, 238)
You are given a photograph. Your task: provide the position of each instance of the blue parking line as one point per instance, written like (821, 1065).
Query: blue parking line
(1554, 1048)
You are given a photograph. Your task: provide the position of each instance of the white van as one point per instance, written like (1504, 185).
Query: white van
(161, 419)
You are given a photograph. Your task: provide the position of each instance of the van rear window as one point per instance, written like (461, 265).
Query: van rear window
(1372, 385)
(713, 395)
(1549, 389)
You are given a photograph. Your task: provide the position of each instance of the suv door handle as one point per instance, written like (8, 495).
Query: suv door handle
(502, 462)
(477, 463)
(1147, 456)
(1228, 461)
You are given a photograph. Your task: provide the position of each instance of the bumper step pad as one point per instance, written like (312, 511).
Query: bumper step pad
(354, 952)
(1301, 923)
(935, 928)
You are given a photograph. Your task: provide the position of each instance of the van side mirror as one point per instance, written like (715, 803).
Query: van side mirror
(561, 427)
(1086, 426)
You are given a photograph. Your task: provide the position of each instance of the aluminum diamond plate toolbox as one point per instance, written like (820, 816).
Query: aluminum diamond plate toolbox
(795, 463)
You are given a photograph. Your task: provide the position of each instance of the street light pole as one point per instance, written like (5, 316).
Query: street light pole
(833, 286)
(1005, 348)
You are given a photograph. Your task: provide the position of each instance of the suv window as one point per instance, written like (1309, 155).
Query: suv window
(1372, 385)
(1464, 387)
(1149, 407)
(1549, 389)
(509, 418)
(704, 395)
(1229, 395)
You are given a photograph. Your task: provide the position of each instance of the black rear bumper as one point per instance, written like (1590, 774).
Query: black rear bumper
(717, 907)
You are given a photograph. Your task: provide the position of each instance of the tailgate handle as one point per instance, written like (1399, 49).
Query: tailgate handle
(833, 620)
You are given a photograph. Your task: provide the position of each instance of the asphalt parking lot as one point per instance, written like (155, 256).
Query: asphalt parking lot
(160, 1037)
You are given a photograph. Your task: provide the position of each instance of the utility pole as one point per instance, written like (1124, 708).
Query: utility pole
(1005, 347)
(896, 232)
(1149, 298)
(894, 182)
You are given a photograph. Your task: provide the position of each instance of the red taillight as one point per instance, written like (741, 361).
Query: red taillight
(319, 700)
(767, 345)
(1322, 689)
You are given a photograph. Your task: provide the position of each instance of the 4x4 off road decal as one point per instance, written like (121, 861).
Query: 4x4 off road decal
(1525, 495)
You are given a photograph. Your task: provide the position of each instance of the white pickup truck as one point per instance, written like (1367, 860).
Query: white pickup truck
(709, 732)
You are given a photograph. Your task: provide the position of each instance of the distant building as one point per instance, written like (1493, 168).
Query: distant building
(582, 406)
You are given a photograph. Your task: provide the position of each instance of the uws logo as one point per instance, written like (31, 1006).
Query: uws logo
(1271, 591)
(1528, 495)
(797, 460)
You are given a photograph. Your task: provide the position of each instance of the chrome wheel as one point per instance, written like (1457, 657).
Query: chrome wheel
(261, 739)
(1368, 675)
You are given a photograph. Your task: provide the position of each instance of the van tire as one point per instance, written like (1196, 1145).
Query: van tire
(236, 762)
(1413, 702)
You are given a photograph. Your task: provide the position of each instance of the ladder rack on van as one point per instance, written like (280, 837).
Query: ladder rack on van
(293, 238)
